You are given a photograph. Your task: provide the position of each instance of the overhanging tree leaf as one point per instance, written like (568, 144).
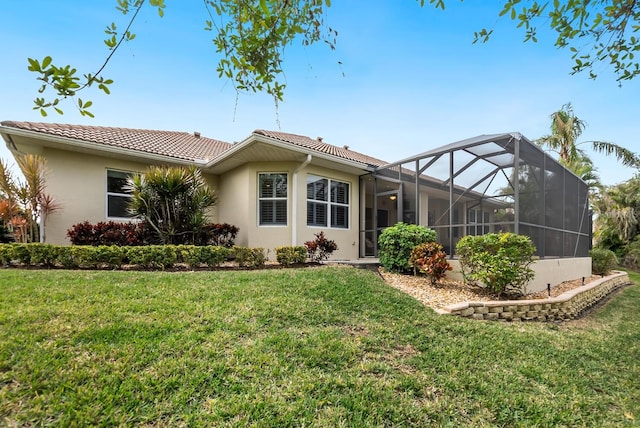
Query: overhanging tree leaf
(252, 35)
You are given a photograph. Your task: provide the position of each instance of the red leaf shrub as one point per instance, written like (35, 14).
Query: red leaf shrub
(431, 260)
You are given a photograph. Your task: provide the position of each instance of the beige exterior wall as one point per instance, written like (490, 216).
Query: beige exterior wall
(233, 202)
(347, 239)
(78, 182)
(239, 206)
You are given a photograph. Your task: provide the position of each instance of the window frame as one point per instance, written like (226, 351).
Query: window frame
(274, 198)
(329, 202)
(116, 194)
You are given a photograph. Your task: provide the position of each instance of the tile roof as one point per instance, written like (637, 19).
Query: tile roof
(321, 146)
(181, 145)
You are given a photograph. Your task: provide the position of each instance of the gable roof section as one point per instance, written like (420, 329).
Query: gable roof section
(320, 146)
(179, 145)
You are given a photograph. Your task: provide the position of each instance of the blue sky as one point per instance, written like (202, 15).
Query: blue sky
(402, 80)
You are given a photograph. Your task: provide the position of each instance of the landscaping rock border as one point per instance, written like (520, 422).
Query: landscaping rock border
(565, 307)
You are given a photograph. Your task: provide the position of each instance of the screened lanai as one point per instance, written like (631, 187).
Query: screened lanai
(485, 184)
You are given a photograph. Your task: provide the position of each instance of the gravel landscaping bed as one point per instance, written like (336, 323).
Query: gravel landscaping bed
(447, 292)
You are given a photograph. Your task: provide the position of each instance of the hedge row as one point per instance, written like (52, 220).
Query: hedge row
(116, 257)
(140, 233)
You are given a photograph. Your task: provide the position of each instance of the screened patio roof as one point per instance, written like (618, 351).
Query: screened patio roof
(513, 182)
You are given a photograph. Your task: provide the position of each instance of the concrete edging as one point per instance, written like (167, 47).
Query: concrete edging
(564, 307)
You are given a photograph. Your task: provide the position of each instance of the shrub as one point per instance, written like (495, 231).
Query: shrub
(214, 256)
(153, 256)
(140, 233)
(222, 234)
(288, 256)
(43, 254)
(111, 256)
(81, 234)
(602, 261)
(249, 257)
(173, 200)
(6, 254)
(396, 242)
(431, 260)
(195, 256)
(320, 248)
(21, 253)
(499, 261)
(631, 257)
(68, 257)
(108, 233)
(85, 256)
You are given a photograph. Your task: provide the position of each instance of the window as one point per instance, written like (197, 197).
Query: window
(118, 196)
(272, 199)
(327, 202)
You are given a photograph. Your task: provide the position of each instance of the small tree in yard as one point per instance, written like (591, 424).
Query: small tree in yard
(499, 261)
(430, 259)
(396, 242)
(25, 204)
(173, 201)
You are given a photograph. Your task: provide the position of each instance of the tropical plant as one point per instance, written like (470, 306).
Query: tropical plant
(173, 201)
(430, 259)
(396, 243)
(26, 204)
(320, 248)
(566, 129)
(617, 219)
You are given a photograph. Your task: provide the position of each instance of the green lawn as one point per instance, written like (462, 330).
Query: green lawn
(309, 347)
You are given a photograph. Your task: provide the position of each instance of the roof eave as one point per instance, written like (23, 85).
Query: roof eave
(254, 138)
(7, 131)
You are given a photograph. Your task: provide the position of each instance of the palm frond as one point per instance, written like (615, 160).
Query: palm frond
(626, 156)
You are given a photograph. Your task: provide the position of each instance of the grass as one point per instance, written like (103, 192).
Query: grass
(309, 347)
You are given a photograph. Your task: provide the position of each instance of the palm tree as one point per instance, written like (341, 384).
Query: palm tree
(583, 167)
(172, 200)
(618, 215)
(566, 128)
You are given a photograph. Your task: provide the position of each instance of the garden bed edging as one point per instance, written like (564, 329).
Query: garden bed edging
(564, 307)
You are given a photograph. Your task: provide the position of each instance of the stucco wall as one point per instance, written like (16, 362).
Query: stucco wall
(239, 206)
(233, 201)
(347, 239)
(547, 271)
(78, 183)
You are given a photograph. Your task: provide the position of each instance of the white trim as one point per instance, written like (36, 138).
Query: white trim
(258, 198)
(107, 193)
(329, 204)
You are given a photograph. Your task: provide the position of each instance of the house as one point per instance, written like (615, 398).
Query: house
(281, 189)
(278, 188)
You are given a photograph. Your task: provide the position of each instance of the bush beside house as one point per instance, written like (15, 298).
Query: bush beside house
(396, 243)
(499, 261)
